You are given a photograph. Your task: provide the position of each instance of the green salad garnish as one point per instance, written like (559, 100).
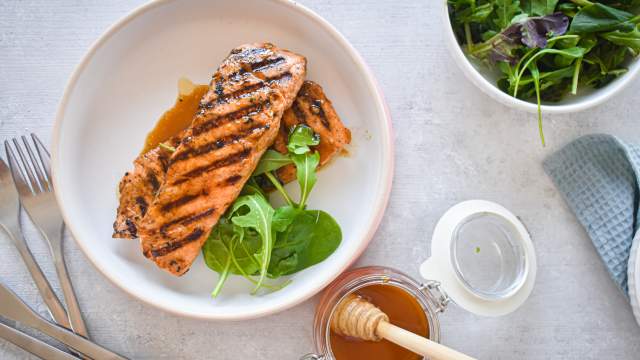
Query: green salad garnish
(260, 242)
(548, 49)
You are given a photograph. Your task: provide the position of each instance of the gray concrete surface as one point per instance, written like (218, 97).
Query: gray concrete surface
(453, 143)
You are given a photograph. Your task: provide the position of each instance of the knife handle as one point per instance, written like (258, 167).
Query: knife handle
(76, 342)
(35, 346)
(55, 307)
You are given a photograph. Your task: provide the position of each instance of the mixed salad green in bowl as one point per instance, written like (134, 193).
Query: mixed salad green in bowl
(546, 55)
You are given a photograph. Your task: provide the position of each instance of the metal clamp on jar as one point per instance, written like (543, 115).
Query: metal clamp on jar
(482, 258)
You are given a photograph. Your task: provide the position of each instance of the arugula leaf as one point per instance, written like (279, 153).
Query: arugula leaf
(306, 165)
(270, 161)
(505, 11)
(535, 73)
(301, 138)
(575, 52)
(167, 147)
(569, 9)
(309, 240)
(254, 211)
(476, 14)
(538, 7)
(630, 39)
(599, 18)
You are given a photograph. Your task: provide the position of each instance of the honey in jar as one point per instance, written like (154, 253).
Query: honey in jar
(403, 310)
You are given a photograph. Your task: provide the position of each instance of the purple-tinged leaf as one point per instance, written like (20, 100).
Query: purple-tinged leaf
(536, 30)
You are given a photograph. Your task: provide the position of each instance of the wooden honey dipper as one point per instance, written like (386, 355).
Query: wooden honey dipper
(358, 318)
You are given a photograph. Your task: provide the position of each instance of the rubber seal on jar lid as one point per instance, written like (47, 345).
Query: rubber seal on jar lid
(483, 257)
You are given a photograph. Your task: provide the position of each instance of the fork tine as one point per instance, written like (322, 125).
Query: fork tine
(45, 159)
(16, 172)
(42, 181)
(26, 167)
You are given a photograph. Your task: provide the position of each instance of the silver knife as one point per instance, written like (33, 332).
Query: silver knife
(13, 308)
(35, 346)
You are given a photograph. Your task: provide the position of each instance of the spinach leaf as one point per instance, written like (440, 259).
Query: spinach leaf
(310, 239)
(505, 11)
(306, 165)
(538, 7)
(599, 18)
(301, 138)
(630, 39)
(254, 211)
(217, 251)
(230, 250)
(270, 161)
(284, 216)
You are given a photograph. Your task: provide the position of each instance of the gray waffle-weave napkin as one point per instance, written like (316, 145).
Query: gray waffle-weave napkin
(598, 176)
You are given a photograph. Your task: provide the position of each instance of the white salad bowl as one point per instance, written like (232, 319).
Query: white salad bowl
(485, 79)
(128, 79)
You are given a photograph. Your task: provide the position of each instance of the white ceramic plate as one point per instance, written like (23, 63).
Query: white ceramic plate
(128, 79)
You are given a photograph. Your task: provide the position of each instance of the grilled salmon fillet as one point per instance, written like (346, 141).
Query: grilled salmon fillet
(312, 108)
(138, 188)
(238, 120)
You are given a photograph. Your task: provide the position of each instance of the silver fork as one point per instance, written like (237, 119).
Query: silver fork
(32, 175)
(9, 210)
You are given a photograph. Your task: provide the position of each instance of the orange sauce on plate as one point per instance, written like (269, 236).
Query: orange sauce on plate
(179, 117)
(403, 310)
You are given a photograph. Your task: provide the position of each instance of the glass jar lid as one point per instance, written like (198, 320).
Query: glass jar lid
(484, 258)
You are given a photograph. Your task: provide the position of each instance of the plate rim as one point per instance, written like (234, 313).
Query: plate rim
(388, 163)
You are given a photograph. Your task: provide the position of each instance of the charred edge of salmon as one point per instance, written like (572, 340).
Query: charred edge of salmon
(315, 104)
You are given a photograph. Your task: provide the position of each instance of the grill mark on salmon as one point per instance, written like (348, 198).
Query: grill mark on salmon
(155, 183)
(267, 64)
(179, 202)
(186, 220)
(316, 108)
(246, 91)
(248, 111)
(131, 227)
(217, 144)
(301, 117)
(175, 245)
(232, 180)
(142, 203)
(238, 94)
(226, 161)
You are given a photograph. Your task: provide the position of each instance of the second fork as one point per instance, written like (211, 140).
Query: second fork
(32, 175)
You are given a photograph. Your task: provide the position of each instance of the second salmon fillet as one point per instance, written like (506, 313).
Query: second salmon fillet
(238, 120)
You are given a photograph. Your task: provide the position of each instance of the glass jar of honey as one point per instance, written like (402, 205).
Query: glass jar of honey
(482, 258)
(410, 304)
